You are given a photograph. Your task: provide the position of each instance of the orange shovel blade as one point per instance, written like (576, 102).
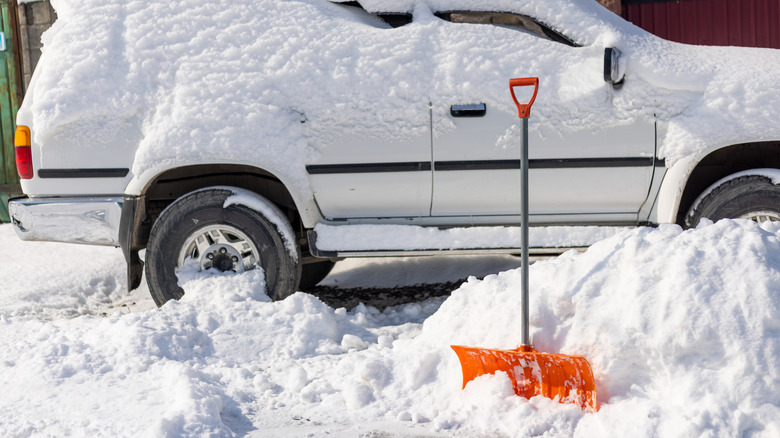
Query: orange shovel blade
(567, 378)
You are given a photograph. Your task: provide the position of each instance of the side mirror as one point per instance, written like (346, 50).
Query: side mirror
(613, 73)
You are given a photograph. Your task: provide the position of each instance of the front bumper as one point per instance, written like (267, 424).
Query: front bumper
(85, 220)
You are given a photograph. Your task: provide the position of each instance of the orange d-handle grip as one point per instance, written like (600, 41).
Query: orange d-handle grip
(524, 110)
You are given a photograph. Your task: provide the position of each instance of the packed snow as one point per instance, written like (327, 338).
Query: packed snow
(682, 329)
(410, 237)
(269, 211)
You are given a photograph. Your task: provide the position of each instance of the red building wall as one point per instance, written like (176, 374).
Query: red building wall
(750, 23)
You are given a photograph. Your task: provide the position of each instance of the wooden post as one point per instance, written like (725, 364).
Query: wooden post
(613, 5)
(10, 94)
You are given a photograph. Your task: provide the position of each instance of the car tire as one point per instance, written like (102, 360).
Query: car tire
(753, 197)
(197, 228)
(313, 273)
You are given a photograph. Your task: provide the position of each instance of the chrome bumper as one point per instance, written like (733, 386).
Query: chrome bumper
(92, 221)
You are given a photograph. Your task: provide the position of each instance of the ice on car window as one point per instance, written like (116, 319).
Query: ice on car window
(514, 21)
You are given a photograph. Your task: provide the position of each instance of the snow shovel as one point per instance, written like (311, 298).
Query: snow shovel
(568, 379)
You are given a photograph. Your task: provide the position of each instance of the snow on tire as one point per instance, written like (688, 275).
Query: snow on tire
(754, 197)
(199, 228)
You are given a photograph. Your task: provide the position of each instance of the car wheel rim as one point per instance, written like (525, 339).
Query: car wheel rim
(762, 216)
(220, 247)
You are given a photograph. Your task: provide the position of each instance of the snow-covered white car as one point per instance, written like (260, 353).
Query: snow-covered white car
(286, 134)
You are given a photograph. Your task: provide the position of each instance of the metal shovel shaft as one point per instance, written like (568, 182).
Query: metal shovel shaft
(566, 378)
(525, 336)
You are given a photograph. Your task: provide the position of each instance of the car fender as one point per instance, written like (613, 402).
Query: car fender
(299, 188)
(671, 191)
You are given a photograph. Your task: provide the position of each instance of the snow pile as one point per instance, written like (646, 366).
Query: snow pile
(682, 330)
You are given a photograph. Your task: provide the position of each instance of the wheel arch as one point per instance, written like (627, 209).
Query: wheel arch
(687, 179)
(140, 212)
(168, 186)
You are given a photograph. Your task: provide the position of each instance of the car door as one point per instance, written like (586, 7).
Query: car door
(588, 162)
(371, 152)
(360, 176)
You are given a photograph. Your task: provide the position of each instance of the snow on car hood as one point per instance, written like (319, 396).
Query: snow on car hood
(276, 81)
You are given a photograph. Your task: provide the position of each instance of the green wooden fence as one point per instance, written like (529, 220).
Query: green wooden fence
(10, 97)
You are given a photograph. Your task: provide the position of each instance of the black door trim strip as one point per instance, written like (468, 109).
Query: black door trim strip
(577, 163)
(547, 163)
(83, 173)
(325, 169)
(443, 166)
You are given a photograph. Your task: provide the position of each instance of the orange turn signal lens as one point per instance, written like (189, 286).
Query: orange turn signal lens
(23, 152)
(22, 137)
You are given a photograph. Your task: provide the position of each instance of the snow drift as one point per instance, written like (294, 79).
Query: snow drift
(682, 329)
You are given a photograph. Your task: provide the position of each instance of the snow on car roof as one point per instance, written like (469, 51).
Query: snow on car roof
(180, 80)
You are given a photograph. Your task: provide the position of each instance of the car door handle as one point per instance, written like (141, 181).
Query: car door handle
(469, 110)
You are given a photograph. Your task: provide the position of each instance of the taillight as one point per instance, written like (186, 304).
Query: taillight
(23, 152)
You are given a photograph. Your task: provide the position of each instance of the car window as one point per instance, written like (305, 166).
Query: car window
(391, 19)
(396, 20)
(506, 19)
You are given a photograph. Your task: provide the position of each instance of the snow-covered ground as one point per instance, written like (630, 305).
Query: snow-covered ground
(682, 329)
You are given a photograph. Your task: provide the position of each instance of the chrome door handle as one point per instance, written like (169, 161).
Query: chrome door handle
(469, 110)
